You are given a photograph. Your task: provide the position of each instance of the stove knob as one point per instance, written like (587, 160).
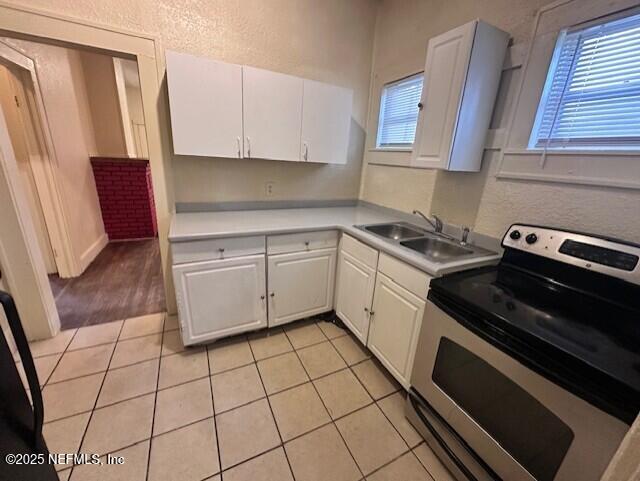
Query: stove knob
(515, 234)
(531, 239)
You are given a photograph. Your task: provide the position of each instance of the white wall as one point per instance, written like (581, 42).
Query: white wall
(478, 200)
(102, 95)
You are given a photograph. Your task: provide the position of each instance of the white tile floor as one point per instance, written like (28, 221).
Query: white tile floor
(303, 403)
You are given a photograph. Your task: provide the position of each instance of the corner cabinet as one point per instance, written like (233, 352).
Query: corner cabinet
(205, 103)
(225, 110)
(300, 285)
(461, 79)
(301, 275)
(221, 297)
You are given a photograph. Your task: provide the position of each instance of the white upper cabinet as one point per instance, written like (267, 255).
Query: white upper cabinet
(205, 100)
(272, 114)
(226, 110)
(461, 79)
(326, 119)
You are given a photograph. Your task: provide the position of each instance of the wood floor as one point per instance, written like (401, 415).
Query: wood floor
(125, 280)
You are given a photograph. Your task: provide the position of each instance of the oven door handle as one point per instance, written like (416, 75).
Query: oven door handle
(417, 404)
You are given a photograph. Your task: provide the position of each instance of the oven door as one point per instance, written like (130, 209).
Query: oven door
(496, 416)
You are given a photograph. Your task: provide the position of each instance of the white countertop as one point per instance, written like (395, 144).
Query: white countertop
(209, 225)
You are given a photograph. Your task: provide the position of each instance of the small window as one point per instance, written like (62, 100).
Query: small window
(591, 99)
(399, 112)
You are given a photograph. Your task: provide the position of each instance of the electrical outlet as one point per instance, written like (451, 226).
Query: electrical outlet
(269, 188)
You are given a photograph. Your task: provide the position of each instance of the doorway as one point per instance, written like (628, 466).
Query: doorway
(13, 101)
(93, 108)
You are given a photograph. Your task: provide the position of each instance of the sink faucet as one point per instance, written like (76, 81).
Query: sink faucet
(465, 236)
(436, 223)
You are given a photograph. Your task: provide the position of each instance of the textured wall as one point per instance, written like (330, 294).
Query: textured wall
(328, 40)
(478, 200)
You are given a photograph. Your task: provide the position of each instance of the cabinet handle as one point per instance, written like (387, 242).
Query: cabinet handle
(221, 250)
(248, 147)
(420, 106)
(273, 294)
(371, 313)
(262, 297)
(366, 309)
(306, 243)
(306, 151)
(238, 145)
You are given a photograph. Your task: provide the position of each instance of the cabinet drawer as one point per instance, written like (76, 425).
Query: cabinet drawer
(213, 249)
(305, 241)
(360, 251)
(415, 281)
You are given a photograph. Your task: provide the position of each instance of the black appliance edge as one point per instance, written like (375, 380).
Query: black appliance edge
(556, 372)
(417, 401)
(22, 344)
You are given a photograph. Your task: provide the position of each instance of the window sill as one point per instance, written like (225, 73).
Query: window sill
(391, 149)
(597, 168)
(591, 152)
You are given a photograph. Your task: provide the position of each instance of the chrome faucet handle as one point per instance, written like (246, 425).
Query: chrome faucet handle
(439, 224)
(465, 235)
(436, 223)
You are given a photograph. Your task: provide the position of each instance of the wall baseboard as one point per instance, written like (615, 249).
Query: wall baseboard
(92, 252)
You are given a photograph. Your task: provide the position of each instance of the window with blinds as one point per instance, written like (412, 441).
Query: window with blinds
(399, 112)
(591, 98)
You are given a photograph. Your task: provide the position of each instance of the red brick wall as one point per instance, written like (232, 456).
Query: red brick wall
(126, 197)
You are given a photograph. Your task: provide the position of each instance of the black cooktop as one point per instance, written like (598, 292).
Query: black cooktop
(583, 332)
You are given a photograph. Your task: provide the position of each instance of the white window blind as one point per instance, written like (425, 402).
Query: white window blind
(591, 98)
(399, 112)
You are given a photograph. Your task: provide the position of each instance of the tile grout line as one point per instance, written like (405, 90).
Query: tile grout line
(57, 363)
(207, 350)
(325, 407)
(213, 409)
(375, 402)
(271, 409)
(104, 377)
(155, 397)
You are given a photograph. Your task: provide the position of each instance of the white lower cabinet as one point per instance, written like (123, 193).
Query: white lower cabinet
(396, 318)
(221, 297)
(354, 294)
(300, 284)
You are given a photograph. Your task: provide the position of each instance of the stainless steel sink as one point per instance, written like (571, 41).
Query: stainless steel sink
(436, 249)
(396, 231)
(435, 246)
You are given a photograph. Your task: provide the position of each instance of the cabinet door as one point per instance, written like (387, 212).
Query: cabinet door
(444, 76)
(354, 294)
(326, 119)
(395, 325)
(300, 285)
(220, 298)
(205, 101)
(272, 114)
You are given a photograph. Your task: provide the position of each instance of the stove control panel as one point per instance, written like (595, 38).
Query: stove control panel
(617, 259)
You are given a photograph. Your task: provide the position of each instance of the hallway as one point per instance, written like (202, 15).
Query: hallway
(124, 281)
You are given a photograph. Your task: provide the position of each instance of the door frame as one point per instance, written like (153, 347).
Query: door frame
(45, 175)
(43, 26)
